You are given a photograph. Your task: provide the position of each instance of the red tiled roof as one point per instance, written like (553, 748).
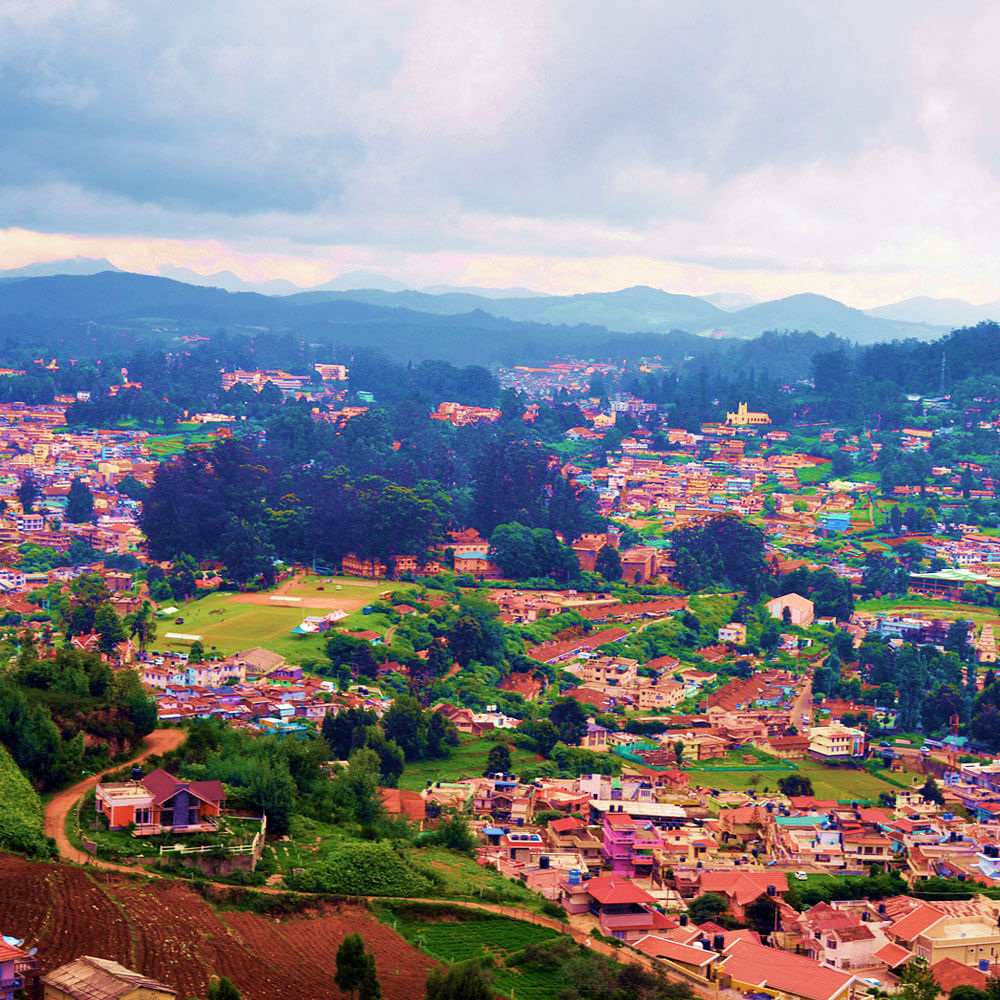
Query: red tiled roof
(163, 786)
(893, 955)
(608, 890)
(920, 920)
(758, 965)
(950, 973)
(674, 951)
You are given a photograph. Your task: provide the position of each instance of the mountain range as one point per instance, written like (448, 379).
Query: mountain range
(44, 289)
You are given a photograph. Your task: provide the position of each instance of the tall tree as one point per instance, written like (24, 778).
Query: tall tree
(79, 503)
(352, 964)
(27, 493)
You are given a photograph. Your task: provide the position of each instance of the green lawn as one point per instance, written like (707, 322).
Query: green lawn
(457, 940)
(467, 760)
(227, 626)
(237, 626)
(828, 783)
(939, 609)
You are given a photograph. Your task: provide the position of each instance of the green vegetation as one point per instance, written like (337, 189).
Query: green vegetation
(524, 960)
(21, 812)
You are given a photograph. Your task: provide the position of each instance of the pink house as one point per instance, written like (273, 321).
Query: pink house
(628, 845)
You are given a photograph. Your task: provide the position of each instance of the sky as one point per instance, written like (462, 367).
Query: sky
(844, 148)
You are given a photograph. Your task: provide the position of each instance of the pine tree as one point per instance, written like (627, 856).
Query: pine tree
(356, 972)
(79, 503)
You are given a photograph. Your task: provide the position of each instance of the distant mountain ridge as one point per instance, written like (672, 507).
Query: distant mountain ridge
(944, 312)
(224, 297)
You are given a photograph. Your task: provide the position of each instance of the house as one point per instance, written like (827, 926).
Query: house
(90, 978)
(399, 802)
(741, 888)
(836, 742)
(628, 846)
(800, 610)
(14, 963)
(734, 632)
(623, 910)
(755, 968)
(933, 934)
(159, 802)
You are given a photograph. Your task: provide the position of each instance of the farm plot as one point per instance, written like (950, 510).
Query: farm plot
(165, 930)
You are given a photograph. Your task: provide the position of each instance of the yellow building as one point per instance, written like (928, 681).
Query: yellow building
(746, 418)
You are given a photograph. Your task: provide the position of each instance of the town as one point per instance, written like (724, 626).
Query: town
(731, 721)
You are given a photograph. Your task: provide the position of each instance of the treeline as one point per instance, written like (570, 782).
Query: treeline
(48, 704)
(307, 494)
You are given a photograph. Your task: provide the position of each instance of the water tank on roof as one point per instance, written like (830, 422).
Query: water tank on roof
(543, 861)
(984, 965)
(881, 908)
(772, 890)
(574, 876)
(718, 942)
(683, 920)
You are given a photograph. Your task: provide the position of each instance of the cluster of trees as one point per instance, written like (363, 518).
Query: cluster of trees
(306, 494)
(926, 685)
(46, 706)
(406, 733)
(831, 595)
(723, 551)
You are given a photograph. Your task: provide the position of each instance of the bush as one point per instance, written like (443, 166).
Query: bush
(363, 869)
(21, 813)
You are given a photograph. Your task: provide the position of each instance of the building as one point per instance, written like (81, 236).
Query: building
(801, 610)
(836, 742)
(754, 968)
(160, 802)
(623, 910)
(14, 963)
(628, 846)
(746, 418)
(90, 978)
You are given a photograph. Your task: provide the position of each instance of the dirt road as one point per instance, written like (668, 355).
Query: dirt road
(159, 741)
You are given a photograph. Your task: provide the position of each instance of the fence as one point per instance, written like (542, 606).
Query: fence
(254, 847)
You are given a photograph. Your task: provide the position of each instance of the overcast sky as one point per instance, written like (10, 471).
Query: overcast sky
(837, 147)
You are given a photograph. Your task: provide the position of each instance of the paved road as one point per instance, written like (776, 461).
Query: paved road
(159, 741)
(803, 705)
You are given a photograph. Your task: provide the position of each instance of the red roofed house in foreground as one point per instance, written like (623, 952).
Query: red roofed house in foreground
(623, 910)
(751, 967)
(160, 802)
(14, 963)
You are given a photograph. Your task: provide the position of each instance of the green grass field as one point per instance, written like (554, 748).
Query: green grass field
(458, 940)
(828, 783)
(938, 609)
(467, 760)
(227, 626)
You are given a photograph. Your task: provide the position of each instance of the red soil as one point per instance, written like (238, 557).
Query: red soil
(164, 929)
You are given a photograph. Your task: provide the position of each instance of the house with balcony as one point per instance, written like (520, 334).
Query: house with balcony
(833, 743)
(621, 908)
(15, 963)
(628, 845)
(160, 802)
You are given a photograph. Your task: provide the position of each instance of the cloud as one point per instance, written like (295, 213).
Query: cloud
(783, 139)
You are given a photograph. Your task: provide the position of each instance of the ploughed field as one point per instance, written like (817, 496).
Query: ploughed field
(164, 929)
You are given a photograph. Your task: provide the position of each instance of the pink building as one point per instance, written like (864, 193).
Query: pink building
(628, 845)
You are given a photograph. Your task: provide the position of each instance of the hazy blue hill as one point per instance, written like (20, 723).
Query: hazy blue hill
(229, 281)
(352, 280)
(71, 265)
(823, 315)
(951, 313)
(638, 309)
(116, 294)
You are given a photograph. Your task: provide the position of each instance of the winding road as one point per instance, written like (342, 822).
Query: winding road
(159, 741)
